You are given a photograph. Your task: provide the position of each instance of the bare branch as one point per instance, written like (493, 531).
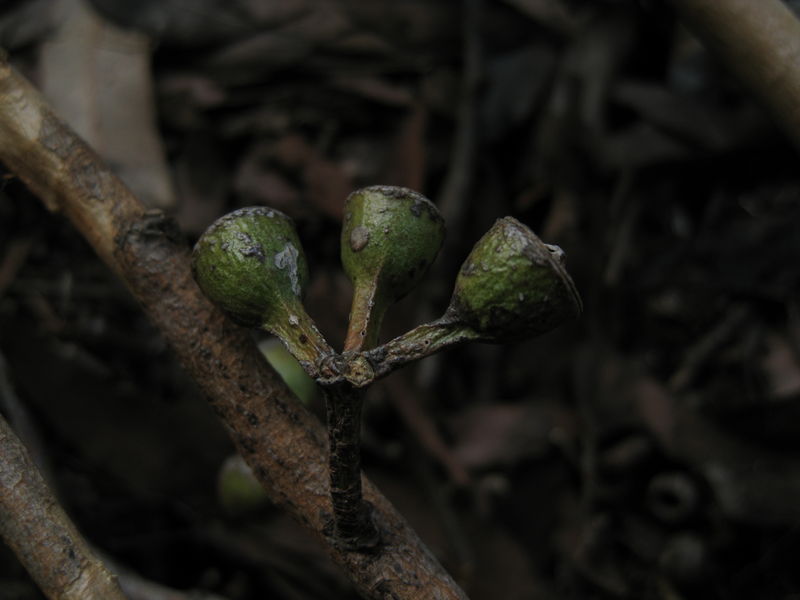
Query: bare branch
(41, 534)
(760, 43)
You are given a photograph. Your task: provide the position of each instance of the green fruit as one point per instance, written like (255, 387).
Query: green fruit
(390, 237)
(251, 264)
(513, 286)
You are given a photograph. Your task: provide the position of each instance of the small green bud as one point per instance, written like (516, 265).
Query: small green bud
(390, 237)
(251, 264)
(513, 285)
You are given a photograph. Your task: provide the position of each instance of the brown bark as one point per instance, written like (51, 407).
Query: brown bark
(284, 445)
(760, 43)
(41, 534)
(353, 525)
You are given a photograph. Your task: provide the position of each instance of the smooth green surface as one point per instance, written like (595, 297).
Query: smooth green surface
(289, 369)
(390, 236)
(513, 285)
(238, 490)
(250, 263)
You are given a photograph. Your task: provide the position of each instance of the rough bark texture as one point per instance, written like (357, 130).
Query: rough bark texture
(41, 534)
(352, 521)
(760, 43)
(284, 445)
(422, 341)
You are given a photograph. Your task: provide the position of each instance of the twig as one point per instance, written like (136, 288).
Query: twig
(760, 43)
(353, 525)
(279, 439)
(16, 412)
(422, 341)
(41, 534)
(351, 516)
(383, 266)
(362, 369)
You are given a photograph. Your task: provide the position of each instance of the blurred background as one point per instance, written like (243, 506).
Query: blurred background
(648, 450)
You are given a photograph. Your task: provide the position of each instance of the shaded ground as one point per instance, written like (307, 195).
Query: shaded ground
(648, 451)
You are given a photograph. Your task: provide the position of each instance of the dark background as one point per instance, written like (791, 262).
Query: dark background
(649, 450)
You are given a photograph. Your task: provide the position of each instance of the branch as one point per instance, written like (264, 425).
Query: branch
(41, 534)
(283, 443)
(760, 43)
(422, 341)
(353, 526)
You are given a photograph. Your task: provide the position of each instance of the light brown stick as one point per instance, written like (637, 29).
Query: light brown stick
(41, 534)
(283, 444)
(760, 43)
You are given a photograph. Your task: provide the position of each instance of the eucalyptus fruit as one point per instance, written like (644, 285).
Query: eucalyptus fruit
(513, 286)
(251, 264)
(390, 237)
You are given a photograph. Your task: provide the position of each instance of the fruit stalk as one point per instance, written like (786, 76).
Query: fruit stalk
(390, 237)
(353, 527)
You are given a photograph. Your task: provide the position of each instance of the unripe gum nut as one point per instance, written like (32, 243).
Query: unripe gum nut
(250, 263)
(513, 286)
(390, 236)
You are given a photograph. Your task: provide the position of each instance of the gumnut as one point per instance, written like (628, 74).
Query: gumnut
(390, 237)
(513, 286)
(251, 264)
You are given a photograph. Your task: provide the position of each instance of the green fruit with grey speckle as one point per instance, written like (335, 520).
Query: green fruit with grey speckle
(390, 237)
(513, 285)
(250, 262)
